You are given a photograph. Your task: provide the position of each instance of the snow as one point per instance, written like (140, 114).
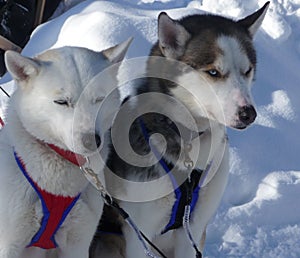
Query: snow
(267, 225)
(260, 213)
(279, 107)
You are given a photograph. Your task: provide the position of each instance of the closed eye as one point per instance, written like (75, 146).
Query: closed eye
(99, 99)
(248, 72)
(62, 102)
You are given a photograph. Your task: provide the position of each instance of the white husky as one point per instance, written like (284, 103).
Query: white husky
(45, 200)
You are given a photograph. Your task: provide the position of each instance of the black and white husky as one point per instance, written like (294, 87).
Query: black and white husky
(212, 62)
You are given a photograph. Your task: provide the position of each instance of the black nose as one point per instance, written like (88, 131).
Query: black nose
(91, 141)
(247, 114)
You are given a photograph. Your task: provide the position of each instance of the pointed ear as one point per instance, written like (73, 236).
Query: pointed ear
(172, 36)
(117, 53)
(21, 68)
(254, 21)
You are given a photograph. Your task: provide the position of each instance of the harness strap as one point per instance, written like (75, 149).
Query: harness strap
(185, 194)
(188, 195)
(55, 209)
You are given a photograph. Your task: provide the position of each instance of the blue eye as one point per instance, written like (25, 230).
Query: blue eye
(213, 73)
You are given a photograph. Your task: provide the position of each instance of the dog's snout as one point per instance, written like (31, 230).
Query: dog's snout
(91, 141)
(247, 114)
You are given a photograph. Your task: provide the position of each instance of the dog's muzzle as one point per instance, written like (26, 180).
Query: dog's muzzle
(247, 115)
(91, 141)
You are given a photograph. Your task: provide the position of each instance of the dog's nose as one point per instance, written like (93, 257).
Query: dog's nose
(91, 141)
(247, 114)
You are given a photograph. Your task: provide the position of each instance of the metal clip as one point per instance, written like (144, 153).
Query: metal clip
(188, 163)
(93, 178)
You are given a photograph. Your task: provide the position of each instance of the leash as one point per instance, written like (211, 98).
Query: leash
(94, 179)
(5, 92)
(187, 215)
(188, 231)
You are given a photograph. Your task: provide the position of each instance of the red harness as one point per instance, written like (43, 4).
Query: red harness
(55, 207)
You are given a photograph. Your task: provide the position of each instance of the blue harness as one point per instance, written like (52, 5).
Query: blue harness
(185, 194)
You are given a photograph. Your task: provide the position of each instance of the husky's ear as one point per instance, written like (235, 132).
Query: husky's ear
(172, 36)
(253, 21)
(117, 53)
(21, 68)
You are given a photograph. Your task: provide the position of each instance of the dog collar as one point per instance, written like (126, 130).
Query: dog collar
(1, 122)
(55, 210)
(72, 157)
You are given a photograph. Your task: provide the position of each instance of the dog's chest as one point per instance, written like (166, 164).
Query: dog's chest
(50, 218)
(151, 216)
(69, 231)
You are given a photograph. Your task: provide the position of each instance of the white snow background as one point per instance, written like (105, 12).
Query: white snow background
(260, 213)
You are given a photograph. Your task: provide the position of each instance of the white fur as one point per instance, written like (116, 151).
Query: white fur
(34, 119)
(219, 99)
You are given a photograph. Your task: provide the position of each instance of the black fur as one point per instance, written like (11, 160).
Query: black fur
(201, 49)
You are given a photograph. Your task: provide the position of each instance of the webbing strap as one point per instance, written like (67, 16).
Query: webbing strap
(187, 192)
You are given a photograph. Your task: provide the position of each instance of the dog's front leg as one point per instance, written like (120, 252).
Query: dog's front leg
(183, 247)
(74, 251)
(33, 252)
(148, 217)
(134, 248)
(10, 251)
(76, 244)
(209, 198)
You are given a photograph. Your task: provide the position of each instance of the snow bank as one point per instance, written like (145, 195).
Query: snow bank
(279, 107)
(259, 215)
(266, 226)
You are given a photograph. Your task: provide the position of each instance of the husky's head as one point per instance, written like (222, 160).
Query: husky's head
(224, 60)
(55, 100)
